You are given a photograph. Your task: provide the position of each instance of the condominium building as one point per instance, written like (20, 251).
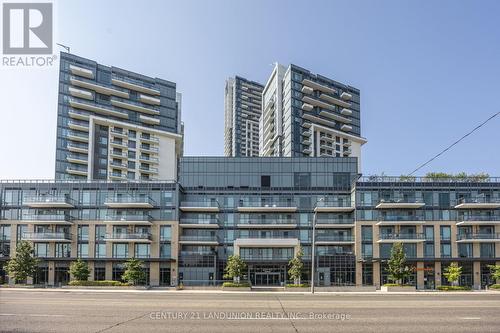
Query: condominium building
(242, 110)
(304, 114)
(264, 210)
(114, 124)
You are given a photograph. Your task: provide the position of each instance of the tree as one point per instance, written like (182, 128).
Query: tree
(235, 268)
(495, 272)
(134, 272)
(79, 270)
(23, 264)
(452, 273)
(398, 270)
(296, 266)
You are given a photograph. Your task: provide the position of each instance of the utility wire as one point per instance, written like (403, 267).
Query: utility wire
(454, 143)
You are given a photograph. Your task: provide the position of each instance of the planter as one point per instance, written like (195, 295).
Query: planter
(236, 288)
(298, 289)
(398, 288)
(347, 289)
(107, 287)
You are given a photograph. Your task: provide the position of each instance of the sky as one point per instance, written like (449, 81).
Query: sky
(428, 71)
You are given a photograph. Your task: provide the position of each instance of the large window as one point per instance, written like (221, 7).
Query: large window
(120, 250)
(63, 250)
(142, 250)
(165, 233)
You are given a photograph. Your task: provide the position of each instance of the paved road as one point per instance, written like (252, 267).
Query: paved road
(83, 311)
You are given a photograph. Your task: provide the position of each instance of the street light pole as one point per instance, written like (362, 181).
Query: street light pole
(313, 247)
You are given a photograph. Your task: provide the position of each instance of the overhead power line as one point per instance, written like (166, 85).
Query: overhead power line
(454, 143)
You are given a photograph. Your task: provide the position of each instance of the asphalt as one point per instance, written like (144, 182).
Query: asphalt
(94, 311)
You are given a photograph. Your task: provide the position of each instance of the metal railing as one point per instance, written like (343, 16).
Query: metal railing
(478, 218)
(199, 221)
(48, 198)
(478, 236)
(334, 238)
(129, 217)
(200, 238)
(130, 199)
(199, 204)
(267, 221)
(400, 218)
(47, 217)
(132, 235)
(402, 236)
(46, 236)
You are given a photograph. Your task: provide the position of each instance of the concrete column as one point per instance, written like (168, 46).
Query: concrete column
(454, 244)
(420, 275)
(52, 273)
(74, 240)
(476, 272)
(109, 270)
(376, 274)
(154, 274)
(437, 273)
(376, 248)
(437, 241)
(91, 240)
(109, 245)
(91, 269)
(359, 274)
(13, 239)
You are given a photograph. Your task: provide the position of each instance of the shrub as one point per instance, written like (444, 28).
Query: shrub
(105, 283)
(397, 285)
(236, 285)
(495, 286)
(453, 288)
(299, 285)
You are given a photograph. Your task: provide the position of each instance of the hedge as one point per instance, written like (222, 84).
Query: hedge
(301, 285)
(105, 283)
(452, 288)
(236, 285)
(495, 286)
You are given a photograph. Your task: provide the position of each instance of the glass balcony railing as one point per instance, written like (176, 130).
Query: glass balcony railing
(135, 82)
(47, 217)
(402, 236)
(129, 218)
(150, 138)
(267, 204)
(334, 221)
(334, 238)
(207, 204)
(45, 236)
(148, 159)
(267, 221)
(127, 236)
(466, 218)
(130, 199)
(400, 218)
(334, 203)
(199, 238)
(267, 235)
(214, 222)
(479, 236)
(78, 135)
(401, 200)
(48, 200)
(479, 200)
(78, 145)
(149, 148)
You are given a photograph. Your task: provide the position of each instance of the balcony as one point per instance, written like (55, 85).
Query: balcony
(346, 128)
(129, 201)
(150, 138)
(334, 116)
(346, 96)
(76, 136)
(307, 107)
(478, 219)
(97, 109)
(478, 237)
(478, 203)
(318, 86)
(63, 219)
(92, 85)
(316, 102)
(333, 206)
(118, 143)
(149, 100)
(46, 236)
(133, 106)
(265, 223)
(334, 223)
(335, 101)
(267, 206)
(199, 223)
(318, 120)
(118, 132)
(148, 169)
(118, 165)
(149, 149)
(77, 171)
(48, 201)
(307, 133)
(400, 219)
(346, 112)
(149, 120)
(199, 239)
(323, 239)
(401, 238)
(117, 176)
(77, 148)
(118, 154)
(81, 93)
(78, 159)
(129, 219)
(131, 84)
(400, 203)
(80, 71)
(138, 237)
(148, 159)
(199, 206)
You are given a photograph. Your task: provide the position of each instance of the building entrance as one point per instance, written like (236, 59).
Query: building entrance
(267, 275)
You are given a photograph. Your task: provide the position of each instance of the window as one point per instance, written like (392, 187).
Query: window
(265, 181)
(120, 250)
(366, 233)
(41, 249)
(83, 250)
(429, 250)
(83, 232)
(429, 233)
(165, 233)
(165, 250)
(100, 250)
(367, 250)
(465, 250)
(63, 250)
(445, 250)
(142, 250)
(445, 233)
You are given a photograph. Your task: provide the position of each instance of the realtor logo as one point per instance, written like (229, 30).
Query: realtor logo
(27, 28)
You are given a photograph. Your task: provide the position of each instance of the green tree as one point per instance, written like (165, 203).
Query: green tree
(134, 272)
(397, 268)
(296, 267)
(495, 272)
(79, 270)
(23, 264)
(235, 268)
(452, 273)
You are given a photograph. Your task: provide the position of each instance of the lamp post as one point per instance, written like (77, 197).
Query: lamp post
(313, 248)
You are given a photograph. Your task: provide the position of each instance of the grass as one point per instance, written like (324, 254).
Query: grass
(301, 285)
(105, 283)
(236, 285)
(453, 288)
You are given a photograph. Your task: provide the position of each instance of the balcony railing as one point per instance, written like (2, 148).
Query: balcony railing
(479, 236)
(402, 236)
(203, 222)
(268, 221)
(479, 200)
(56, 200)
(129, 218)
(267, 235)
(129, 200)
(196, 205)
(400, 202)
(334, 238)
(396, 218)
(46, 236)
(334, 221)
(466, 218)
(200, 238)
(128, 236)
(48, 218)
